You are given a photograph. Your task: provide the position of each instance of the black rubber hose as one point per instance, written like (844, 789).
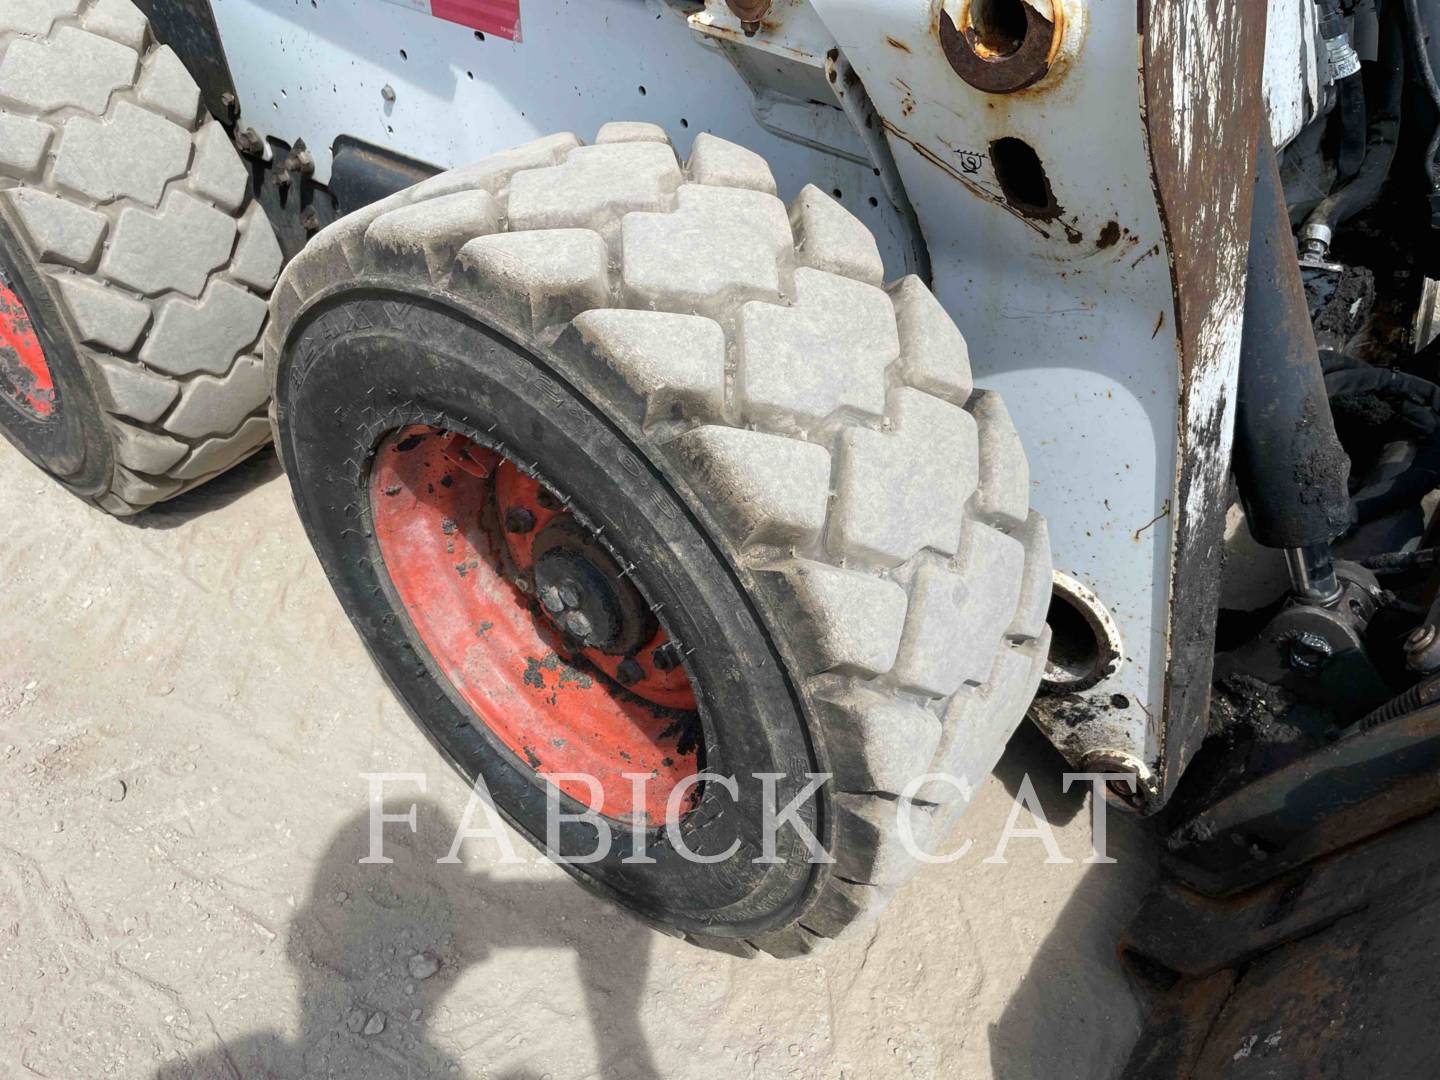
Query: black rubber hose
(1383, 134)
(1354, 133)
(1426, 72)
(1415, 408)
(1289, 467)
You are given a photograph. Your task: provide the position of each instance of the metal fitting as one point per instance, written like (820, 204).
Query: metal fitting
(1315, 239)
(1344, 60)
(1422, 649)
(1140, 790)
(749, 12)
(1004, 46)
(301, 160)
(1308, 652)
(1312, 574)
(519, 519)
(1086, 647)
(1420, 637)
(249, 142)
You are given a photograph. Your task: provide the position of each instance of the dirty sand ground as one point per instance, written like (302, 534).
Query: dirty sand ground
(210, 920)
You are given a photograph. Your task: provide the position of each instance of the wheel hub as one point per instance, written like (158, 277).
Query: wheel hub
(24, 373)
(585, 593)
(537, 624)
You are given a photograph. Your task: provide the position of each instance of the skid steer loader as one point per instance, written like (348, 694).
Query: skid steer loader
(863, 376)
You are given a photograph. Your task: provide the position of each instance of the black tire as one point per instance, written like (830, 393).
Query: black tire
(370, 362)
(831, 633)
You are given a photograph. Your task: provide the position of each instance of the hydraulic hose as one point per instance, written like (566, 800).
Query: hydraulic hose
(1289, 467)
(1415, 404)
(1383, 135)
(1426, 72)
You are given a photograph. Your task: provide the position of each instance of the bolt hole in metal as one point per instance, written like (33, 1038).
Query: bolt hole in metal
(539, 627)
(997, 28)
(1022, 177)
(1085, 642)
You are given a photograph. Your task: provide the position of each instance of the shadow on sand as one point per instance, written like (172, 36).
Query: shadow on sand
(1076, 1015)
(352, 942)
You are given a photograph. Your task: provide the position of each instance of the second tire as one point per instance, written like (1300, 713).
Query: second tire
(134, 263)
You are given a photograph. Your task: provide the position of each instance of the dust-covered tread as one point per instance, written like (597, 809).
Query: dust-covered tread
(136, 209)
(826, 423)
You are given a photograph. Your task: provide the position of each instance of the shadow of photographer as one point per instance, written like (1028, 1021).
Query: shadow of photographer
(365, 941)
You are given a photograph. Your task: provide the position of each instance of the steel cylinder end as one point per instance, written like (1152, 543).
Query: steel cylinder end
(1312, 574)
(1004, 46)
(750, 13)
(1085, 644)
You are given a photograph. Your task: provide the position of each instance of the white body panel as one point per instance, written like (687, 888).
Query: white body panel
(319, 72)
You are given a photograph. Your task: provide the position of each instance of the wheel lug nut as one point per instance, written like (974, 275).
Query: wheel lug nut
(666, 658)
(629, 672)
(577, 624)
(570, 594)
(550, 597)
(518, 519)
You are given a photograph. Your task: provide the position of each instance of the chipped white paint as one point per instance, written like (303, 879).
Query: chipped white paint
(1293, 63)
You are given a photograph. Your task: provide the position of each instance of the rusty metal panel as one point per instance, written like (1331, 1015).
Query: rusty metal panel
(1202, 67)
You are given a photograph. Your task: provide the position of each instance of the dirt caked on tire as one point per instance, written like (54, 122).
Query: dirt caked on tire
(622, 467)
(134, 264)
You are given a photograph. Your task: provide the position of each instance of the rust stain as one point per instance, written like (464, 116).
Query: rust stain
(1201, 62)
(1159, 323)
(907, 97)
(1164, 513)
(1109, 235)
(1152, 250)
(896, 43)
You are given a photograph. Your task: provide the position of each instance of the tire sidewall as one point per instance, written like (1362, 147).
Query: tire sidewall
(368, 361)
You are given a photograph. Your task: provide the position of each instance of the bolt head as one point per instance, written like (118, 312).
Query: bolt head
(550, 597)
(577, 624)
(1422, 637)
(629, 672)
(570, 594)
(519, 519)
